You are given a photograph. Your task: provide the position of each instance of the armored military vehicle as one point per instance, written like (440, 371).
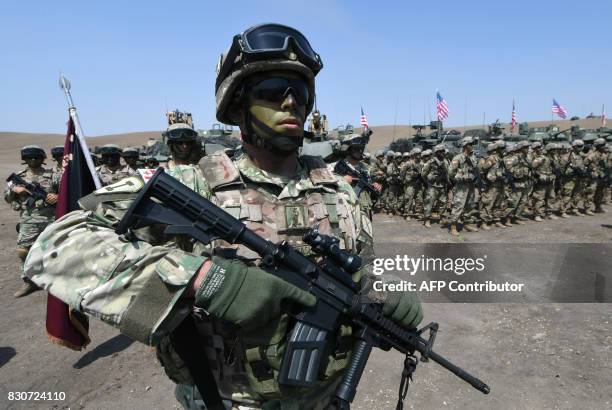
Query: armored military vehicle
(218, 138)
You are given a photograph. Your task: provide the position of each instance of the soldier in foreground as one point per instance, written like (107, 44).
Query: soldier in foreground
(35, 212)
(149, 287)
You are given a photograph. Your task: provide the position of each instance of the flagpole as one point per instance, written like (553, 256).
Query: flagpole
(409, 116)
(65, 85)
(395, 117)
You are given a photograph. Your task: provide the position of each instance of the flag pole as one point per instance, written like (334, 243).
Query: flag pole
(65, 85)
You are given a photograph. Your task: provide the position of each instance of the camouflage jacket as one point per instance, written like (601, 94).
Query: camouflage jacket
(572, 165)
(135, 283)
(520, 169)
(378, 171)
(543, 168)
(109, 176)
(411, 172)
(435, 172)
(595, 164)
(463, 168)
(41, 212)
(492, 169)
(393, 173)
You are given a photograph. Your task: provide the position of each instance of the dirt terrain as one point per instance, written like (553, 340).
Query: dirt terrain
(544, 355)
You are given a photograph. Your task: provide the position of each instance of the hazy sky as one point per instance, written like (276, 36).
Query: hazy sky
(128, 59)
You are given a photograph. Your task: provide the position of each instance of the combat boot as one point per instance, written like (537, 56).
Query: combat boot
(427, 224)
(589, 212)
(453, 230)
(471, 228)
(508, 223)
(564, 215)
(485, 226)
(537, 219)
(517, 221)
(600, 211)
(407, 218)
(25, 289)
(498, 224)
(551, 216)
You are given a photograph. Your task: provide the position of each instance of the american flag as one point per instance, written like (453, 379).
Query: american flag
(363, 121)
(441, 107)
(603, 117)
(558, 109)
(513, 121)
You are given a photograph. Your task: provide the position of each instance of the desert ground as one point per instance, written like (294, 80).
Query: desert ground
(540, 354)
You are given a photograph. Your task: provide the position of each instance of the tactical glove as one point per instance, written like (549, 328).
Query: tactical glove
(404, 308)
(245, 295)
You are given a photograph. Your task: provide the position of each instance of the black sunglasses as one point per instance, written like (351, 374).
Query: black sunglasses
(276, 89)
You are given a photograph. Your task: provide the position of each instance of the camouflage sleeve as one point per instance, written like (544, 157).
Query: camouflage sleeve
(124, 281)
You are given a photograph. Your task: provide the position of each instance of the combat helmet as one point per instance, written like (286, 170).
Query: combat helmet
(32, 151)
(466, 141)
(353, 140)
(389, 154)
(599, 142)
(380, 153)
(259, 49)
(426, 153)
(130, 152)
(110, 149)
(406, 154)
(492, 147)
(57, 151)
(577, 143)
(440, 147)
(180, 132)
(521, 144)
(397, 154)
(536, 145)
(415, 151)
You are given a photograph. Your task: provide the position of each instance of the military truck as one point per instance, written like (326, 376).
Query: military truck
(218, 138)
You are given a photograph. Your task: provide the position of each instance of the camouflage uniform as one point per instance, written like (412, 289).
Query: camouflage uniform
(412, 182)
(461, 171)
(32, 221)
(595, 164)
(435, 175)
(572, 169)
(394, 186)
(378, 170)
(110, 175)
(543, 191)
(519, 168)
(96, 263)
(365, 200)
(492, 197)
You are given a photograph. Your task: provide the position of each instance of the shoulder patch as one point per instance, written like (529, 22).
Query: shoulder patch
(318, 171)
(218, 169)
(127, 185)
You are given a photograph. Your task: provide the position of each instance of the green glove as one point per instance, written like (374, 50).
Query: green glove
(246, 295)
(404, 308)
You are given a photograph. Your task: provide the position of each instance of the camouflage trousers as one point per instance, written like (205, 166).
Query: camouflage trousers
(411, 192)
(570, 195)
(517, 200)
(435, 195)
(588, 194)
(463, 204)
(394, 198)
(599, 195)
(491, 203)
(28, 232)
(543, 196)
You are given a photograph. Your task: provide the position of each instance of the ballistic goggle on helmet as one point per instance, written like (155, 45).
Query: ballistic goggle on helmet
(32, 151)
(180, 132)
(262, 48)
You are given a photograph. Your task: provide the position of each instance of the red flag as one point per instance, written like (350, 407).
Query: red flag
(513, 121)
(363, 121)
(66, 326)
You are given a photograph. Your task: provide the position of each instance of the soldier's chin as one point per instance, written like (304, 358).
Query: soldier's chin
(286, 144)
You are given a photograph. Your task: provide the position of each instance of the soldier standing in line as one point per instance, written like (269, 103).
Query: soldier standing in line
(130, 156)
(572, 171)
(412, 183)
(491, 169)
(462, 171)
(378, 171)
(111, 169)
(519, 170)
(183, 142)
(34, 214)
(242, 313)
(394, 182)
(595, 163)
(544, 187)
(435, 174)
(57, 153)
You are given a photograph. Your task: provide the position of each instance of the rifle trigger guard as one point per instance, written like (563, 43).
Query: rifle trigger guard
(433, 331)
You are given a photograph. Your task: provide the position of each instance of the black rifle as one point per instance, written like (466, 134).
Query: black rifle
(36, 191)
(361, 181)
(476, 179)
(165, 200)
